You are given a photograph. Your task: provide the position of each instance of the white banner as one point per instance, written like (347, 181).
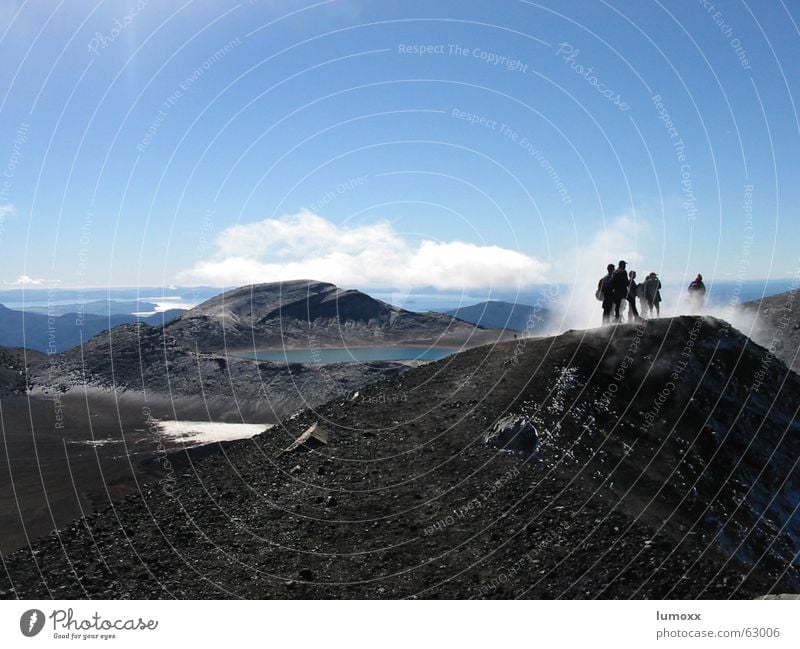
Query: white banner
(402, 624)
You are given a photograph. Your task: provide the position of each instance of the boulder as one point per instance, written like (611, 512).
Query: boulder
(514, 433)
(313, 437)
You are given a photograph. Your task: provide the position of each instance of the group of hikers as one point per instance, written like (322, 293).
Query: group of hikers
(619, 285)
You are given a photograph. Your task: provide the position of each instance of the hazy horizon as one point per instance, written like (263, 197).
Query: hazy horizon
(720, 292)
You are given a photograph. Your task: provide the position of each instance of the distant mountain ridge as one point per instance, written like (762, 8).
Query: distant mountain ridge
(309, 313)
(55, 334)
(504, 315)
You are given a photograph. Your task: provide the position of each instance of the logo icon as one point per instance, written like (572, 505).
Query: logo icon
(31, 622)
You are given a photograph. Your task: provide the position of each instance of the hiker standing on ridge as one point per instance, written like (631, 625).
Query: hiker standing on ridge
(652, 294)
(619, 285)
(605, 293)
(633, 312)
(697, 293)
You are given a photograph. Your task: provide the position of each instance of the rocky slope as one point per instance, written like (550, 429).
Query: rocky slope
(56, 406)
(15, 364)
(776, 325)
(187, 357)
(664, 464)
(148, 360)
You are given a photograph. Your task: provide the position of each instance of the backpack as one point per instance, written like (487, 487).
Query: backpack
(602, 286)
(697, 286)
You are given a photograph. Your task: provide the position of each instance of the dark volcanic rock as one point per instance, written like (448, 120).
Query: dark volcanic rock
(515, 434)
(15, 369)
(666, 468)
(84, 409)
(776, 325)
(141, 358)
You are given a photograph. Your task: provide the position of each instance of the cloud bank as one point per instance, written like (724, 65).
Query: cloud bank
(26, 280)
(306, 245)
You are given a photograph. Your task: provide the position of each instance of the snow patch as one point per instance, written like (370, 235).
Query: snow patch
(197, 433)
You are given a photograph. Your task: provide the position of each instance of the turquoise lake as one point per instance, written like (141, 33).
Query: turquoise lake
(349, 354)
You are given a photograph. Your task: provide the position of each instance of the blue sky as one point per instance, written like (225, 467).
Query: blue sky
(390, 143)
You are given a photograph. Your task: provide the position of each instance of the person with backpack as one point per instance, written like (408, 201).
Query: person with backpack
(697, 292)
(652, 294)
(605, 294)
(633, 312)
(619, 286)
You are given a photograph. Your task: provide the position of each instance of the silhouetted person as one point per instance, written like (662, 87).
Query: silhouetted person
(605, 293)
(619, 286)
(633, 312)
(652, 294)
(697, 292)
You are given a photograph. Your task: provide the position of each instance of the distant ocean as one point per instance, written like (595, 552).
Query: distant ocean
(720, 292)
(725, 292)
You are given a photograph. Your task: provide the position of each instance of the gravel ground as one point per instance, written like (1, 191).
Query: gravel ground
(678, 482)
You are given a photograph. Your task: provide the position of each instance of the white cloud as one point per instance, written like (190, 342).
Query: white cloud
(7, 211)
(25, 280)
(306, 245)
